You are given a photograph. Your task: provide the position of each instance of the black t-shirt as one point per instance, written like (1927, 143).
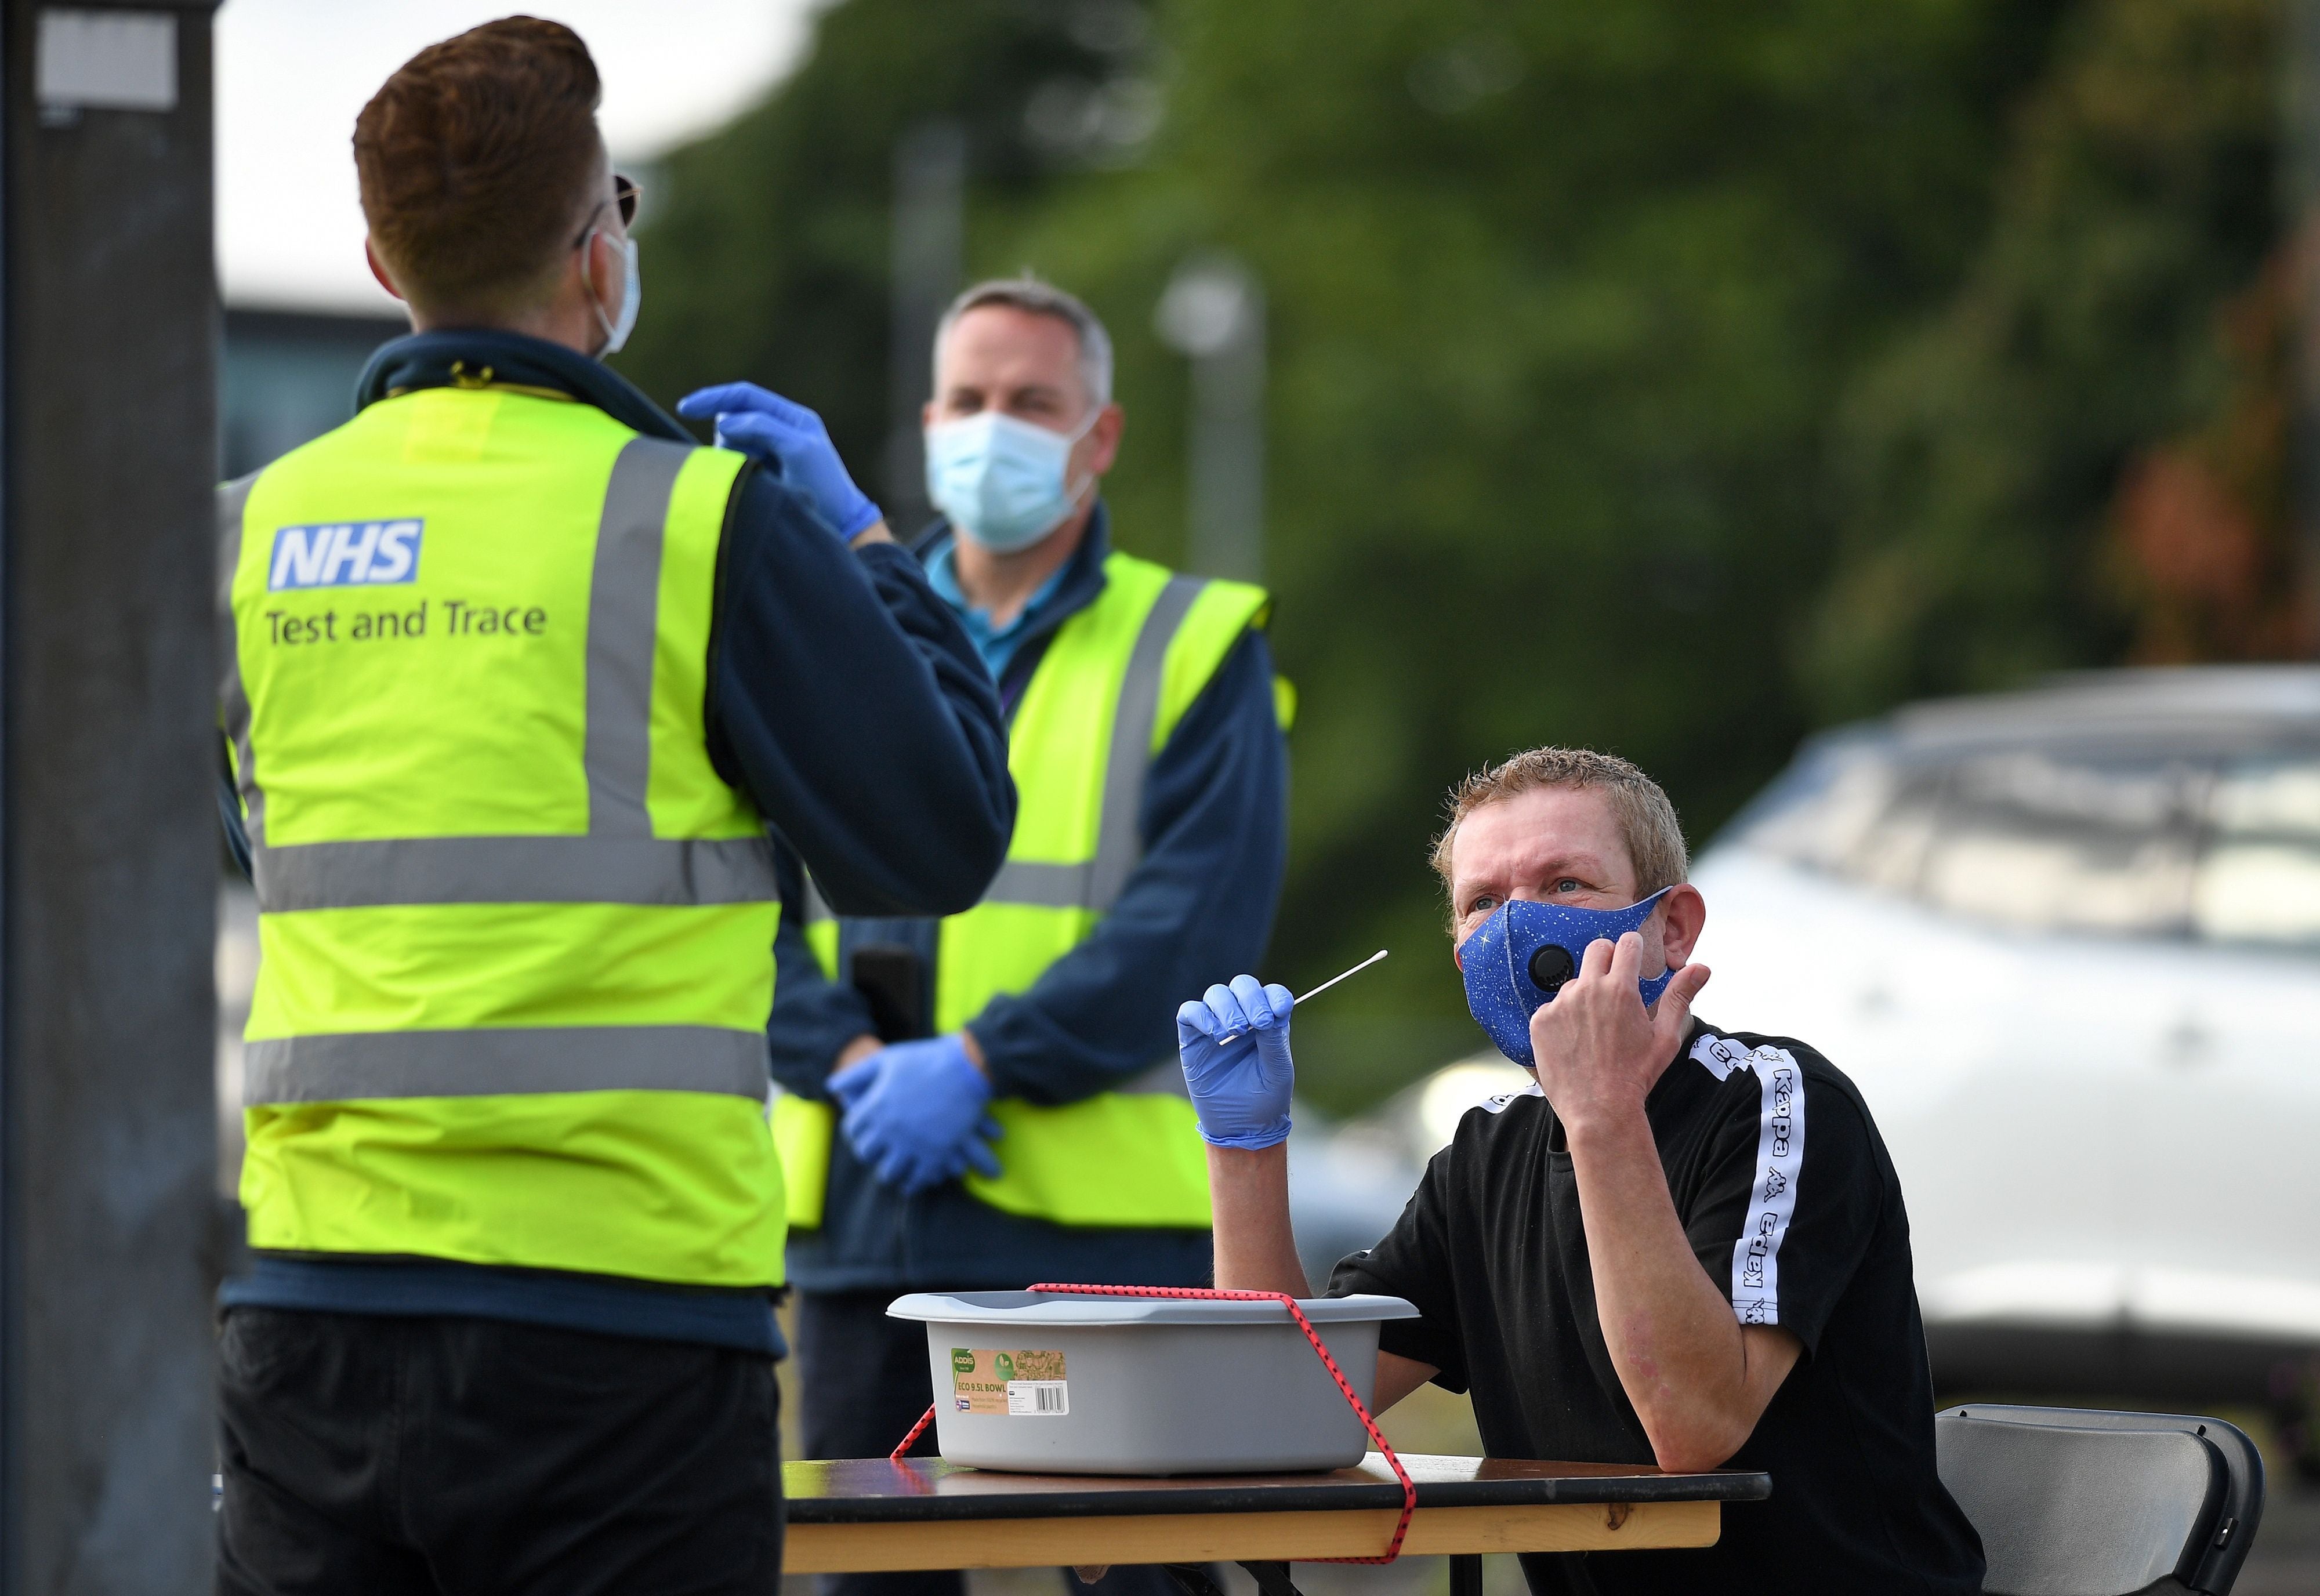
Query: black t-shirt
(1792, 1207)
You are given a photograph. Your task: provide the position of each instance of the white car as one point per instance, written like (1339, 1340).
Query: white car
(2067, 943)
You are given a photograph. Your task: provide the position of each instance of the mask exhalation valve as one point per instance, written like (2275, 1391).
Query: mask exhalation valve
(1551, 966)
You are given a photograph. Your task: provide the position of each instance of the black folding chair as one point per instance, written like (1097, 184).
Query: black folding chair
(2073, 1502)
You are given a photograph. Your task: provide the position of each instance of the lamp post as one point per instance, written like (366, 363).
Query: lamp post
(929, 245)
(1213, 313)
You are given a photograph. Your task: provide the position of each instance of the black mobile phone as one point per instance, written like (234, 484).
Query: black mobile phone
(894, 981)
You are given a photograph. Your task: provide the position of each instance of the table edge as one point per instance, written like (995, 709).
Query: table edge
(1720, 1486)
(1299, 1537)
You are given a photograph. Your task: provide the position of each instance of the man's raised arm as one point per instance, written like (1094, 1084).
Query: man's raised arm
(844, 697)
(1240, 1090)
(1700, 1380)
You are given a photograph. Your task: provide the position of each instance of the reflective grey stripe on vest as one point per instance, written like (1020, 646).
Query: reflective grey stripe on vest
(619, 860)
(643, 870)
(352, 1066)
(233, 700)
(1044, 886)
(1119, 847)
(623, 622)
(1097, 884)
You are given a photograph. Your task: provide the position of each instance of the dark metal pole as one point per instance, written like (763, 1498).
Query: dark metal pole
(927, 252)
(108, 849)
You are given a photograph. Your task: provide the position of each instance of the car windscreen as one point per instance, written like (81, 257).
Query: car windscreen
(2220, 842)
(2259, 872)
(2047, 841)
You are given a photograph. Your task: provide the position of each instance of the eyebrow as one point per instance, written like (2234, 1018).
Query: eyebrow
(1577, 866)
(1017, 393)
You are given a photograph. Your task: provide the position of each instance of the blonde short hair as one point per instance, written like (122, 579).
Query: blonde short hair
(1647, 821)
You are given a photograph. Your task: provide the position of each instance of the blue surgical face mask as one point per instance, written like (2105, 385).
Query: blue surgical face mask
(632, 299)
(1518, 958)
(1000, 480)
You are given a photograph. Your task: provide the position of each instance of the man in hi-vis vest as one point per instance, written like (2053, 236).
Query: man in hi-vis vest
(515, 676)
(991, 1099)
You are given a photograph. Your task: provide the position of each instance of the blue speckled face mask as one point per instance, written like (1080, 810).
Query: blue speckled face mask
(1520, 957)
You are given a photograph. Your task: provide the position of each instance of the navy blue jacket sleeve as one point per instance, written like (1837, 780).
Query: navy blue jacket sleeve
(844, 698)
(814, 1017)
(1198, 909)
(237, 835)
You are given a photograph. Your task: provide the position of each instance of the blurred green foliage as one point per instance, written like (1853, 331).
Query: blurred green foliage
(767, 243)
(1668, 377)
(1977, 462)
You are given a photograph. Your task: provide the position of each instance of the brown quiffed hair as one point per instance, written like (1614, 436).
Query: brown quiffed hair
(1647, 822)
(474, 160)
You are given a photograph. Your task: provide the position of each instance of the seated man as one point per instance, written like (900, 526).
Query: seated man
(1680, 1245)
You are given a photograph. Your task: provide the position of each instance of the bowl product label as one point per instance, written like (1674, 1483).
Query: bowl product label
(1013, 1385)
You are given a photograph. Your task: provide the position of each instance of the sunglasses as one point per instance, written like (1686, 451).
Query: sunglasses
(624, 196)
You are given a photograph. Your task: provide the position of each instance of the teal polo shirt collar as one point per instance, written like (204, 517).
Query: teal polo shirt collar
(995, 644)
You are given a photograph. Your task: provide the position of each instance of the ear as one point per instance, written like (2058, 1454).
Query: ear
(377, 269)
(596, 270)
(1683, 914)
(1103, 439)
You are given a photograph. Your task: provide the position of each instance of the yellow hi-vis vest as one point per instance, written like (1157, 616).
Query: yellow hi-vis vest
(1114, 682)
(515, 931)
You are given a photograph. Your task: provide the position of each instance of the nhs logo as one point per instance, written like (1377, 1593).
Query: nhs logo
(345, 554)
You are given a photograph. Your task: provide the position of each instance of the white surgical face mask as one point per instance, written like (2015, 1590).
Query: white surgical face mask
(632, 296)
(1000, 480)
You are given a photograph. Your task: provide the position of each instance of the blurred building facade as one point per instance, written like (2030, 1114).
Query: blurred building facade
(288, 376)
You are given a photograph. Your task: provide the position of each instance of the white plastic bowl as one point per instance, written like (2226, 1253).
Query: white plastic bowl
(1052, 1384)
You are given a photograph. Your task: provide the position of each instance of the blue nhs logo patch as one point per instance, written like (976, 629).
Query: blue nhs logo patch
(345, 554)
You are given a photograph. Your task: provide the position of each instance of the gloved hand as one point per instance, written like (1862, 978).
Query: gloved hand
(914, 1113)
(1240, 1088)
(768, 427)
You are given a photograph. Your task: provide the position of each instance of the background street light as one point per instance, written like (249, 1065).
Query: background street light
(929, 243)
(1213, 312)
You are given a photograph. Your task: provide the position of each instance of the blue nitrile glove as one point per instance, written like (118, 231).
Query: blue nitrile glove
(1240, 1088)
(914, 1113)
(765, 426)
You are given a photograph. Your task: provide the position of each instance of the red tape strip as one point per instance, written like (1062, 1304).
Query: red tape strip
(1202, 1293)
(916, 1430)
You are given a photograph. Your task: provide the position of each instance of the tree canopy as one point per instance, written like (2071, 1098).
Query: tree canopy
(1666, 377)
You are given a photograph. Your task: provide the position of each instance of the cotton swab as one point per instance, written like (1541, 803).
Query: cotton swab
(1317, 991)
(1333, 980)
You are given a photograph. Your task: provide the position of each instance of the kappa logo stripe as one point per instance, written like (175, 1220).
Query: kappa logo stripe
(1780, 1158)
(1496, 1103)
(345, 554)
